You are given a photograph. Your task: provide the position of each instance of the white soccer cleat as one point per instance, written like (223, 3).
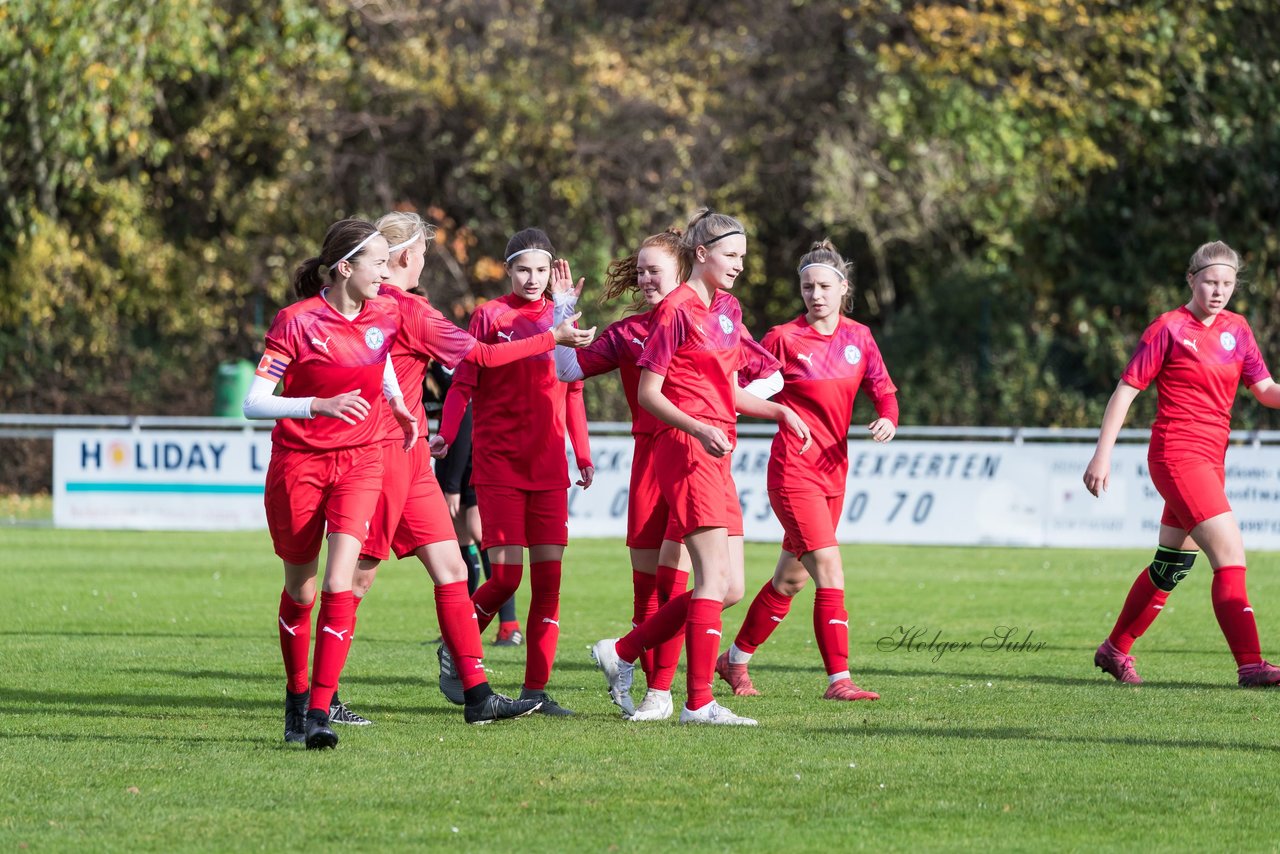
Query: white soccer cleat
(656, 706)
(617, 673)
(714, 713)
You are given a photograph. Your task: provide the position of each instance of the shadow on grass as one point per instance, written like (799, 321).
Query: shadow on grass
(1035, 678)
(1042, 735)
(165, 706)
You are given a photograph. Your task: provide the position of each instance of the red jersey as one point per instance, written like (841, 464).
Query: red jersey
(519, 409)
(319, 353)
(696, 350)
(620, 346)
(822, 375)
(425, 334)
(1197, 370)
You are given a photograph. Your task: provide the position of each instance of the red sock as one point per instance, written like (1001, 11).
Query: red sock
(831, 628)
(671, 582)
(491, 595)
(461, 632)
(702, 637)
(644, 604)
(295, 641)
(356, 600)
(1235, 614)
(334, 628)
(767, 610)
(1141, 607)
(543, 629)
(665, 624)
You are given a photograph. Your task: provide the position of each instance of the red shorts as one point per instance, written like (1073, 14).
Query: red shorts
(646, 508)
(411, 510)
(698, 487)
(522, 517)
(1193, 490)
(309, 490)
(809, 519)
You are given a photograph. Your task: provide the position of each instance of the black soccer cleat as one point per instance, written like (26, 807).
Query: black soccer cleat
(498, 707)
(548, 706)
(319, 735)
(295, 716)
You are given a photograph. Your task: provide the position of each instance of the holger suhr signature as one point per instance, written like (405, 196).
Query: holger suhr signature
(923, 639)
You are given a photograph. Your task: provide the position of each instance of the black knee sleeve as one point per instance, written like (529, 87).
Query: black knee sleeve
(1170, 566)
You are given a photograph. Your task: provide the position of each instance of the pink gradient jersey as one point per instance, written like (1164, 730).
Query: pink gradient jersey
(519, 409)
(1197, 370)
(697, 349)
(621, 345)
(822, 374)
(425, 334)
(319, 353)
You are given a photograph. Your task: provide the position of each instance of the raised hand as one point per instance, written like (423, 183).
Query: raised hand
(562, 280)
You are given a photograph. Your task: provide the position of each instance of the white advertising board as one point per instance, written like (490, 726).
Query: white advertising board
(943, 493)
(159, 480)
(965, 493)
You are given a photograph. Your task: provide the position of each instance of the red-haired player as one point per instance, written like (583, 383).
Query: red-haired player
(1197, 356)
(826, 359)
(521, 413)
(331, 349)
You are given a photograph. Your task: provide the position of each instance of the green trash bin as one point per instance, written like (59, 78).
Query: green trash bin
(230, 386)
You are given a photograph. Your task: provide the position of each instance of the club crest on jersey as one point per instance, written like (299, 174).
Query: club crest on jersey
(852, 355)
(726, 325)
(1228, 341)
(374, 339)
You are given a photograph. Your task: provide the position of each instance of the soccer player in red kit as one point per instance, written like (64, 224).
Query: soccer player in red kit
(688, 382)
(1197, 356)
(659, 567)
(331, 350)
(826, 359)
(411, 517)
(520, 414)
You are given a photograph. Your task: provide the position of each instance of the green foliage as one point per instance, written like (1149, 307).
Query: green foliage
(1019, 183)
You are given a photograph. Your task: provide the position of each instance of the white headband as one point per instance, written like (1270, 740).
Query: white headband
(407, 243)
(356, 248)
(522, 251)
(835, 270)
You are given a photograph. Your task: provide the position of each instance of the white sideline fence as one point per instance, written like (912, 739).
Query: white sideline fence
(1012, 486)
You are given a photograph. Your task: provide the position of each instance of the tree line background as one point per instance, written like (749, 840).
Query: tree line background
(1019, 183)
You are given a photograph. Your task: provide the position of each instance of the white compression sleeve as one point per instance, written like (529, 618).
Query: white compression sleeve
(765, 387)
(567, 368)
(261, 402)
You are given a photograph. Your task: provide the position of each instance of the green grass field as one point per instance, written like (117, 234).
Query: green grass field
(141, 689)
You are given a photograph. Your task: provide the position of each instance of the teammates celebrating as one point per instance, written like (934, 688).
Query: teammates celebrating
(347, 464)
